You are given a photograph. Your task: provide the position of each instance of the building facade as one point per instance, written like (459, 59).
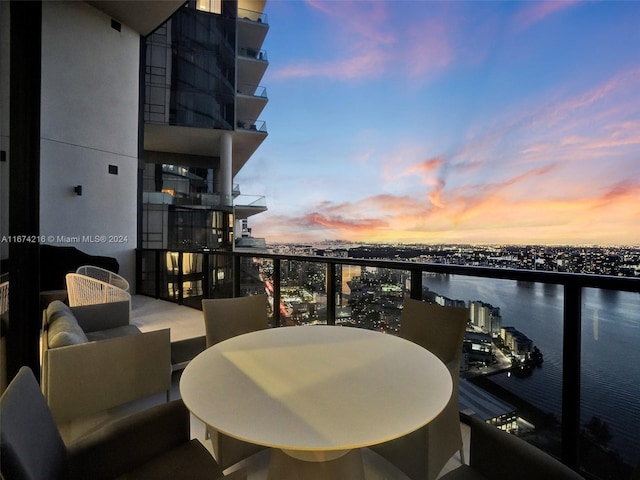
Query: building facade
(76, 134)
(485, 316)
(517, 341)
(203, 97)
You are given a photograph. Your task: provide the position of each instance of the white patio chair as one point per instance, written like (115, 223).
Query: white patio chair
(225, 318)
(84, 290)
(104, 275)
(422, 454)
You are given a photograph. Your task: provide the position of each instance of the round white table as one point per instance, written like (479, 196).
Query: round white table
(316, 393)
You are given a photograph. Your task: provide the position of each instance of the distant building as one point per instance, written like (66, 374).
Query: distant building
(485, 316)
(474, 401)
(518, 342)
(444, 301)
(247, 242)
(478, 347)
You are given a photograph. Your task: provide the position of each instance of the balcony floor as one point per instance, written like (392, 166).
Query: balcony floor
(185, 322)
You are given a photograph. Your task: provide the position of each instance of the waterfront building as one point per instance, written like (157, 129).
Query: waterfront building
(478, 347)
(486, 317)
(518, 342)
(444, 301)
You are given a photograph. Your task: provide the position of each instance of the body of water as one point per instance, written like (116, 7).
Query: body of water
(610, 348)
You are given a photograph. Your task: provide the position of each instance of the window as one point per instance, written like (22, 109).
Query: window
(211, 6)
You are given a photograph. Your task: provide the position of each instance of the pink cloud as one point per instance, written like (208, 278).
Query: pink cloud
(601, 96)
(426, 170)
(536, 11)
(429, 46)
(620, 190)
(367, 64)
(368, 22)
(367, 46)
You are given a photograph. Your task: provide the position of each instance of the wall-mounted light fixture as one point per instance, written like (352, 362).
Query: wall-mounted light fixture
(78, 189)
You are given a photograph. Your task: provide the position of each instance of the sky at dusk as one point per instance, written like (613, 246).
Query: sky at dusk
(450, 122)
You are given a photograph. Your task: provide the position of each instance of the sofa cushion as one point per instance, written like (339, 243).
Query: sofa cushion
(121, 331)
(63, 328)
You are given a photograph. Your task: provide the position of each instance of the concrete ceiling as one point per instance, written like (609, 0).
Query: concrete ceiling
(144, 16)
(202, 142)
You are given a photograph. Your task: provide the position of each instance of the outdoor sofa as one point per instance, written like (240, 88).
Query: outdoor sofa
(93, 359)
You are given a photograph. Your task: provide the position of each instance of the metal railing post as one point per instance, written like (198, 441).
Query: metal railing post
(571, 356)
(331, 293)
(276, 291)
(180, 279)
(236, 276)
(206, 275)
(416, 284)
(156, 273)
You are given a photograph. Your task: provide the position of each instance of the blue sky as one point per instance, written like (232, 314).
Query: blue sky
(450, 122)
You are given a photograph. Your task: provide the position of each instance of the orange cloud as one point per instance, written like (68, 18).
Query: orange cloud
(317, 219)
(425, 166)
(488, 215)
(435, 196)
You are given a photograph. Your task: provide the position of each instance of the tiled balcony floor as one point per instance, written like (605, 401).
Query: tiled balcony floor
(150, 314)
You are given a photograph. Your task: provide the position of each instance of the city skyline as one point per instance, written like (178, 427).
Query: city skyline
(460, 122)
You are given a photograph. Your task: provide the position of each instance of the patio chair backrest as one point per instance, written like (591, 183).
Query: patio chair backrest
(84, 290)
(104, 275)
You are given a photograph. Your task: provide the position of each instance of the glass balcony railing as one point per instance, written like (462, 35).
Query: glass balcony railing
(252, 90)
(252, 125)
(569, 372)
(258, 201)
(253, 53)
(250, 15)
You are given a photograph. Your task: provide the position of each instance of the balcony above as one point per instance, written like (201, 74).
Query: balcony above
(247, 124)
(248, 205)
(251, 65)
(252, 28)
(250, 101)
(204, 141)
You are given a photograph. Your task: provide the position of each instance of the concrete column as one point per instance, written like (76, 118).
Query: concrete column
(226, 174)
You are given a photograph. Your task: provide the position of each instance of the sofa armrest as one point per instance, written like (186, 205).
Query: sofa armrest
(83, 379)
(102, 316)
(130, 442)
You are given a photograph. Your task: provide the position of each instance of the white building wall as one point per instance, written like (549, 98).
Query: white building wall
(89, 121)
